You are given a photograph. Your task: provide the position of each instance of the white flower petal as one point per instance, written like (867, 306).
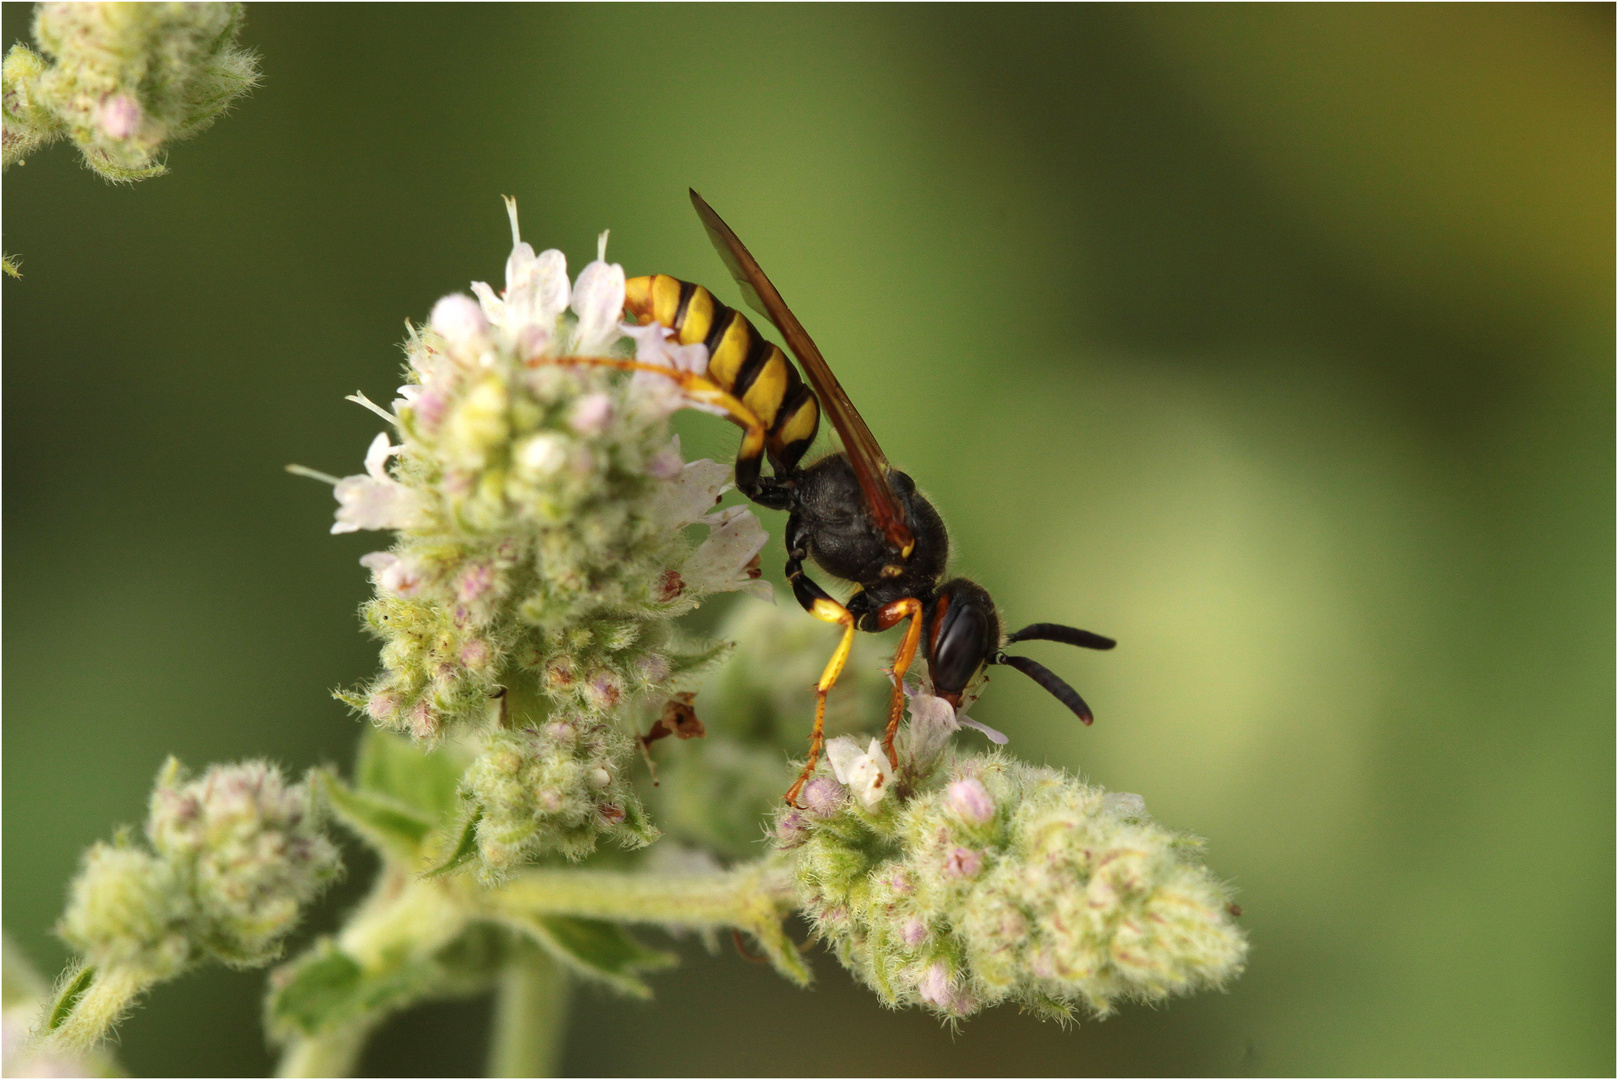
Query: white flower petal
(996, 737)
(376, 457)
(759, 589)
(691, 494)
(866, 773)
(551, 290)
(494, 308)
(1125, 804)
(842, 752)
(368, 503)
(522, 272)
(459, 319)
(721, 563)
(598, 300)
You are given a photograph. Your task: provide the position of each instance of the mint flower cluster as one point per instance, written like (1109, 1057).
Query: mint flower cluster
(541, 507)
(235, 854)
(998, 881)
(123, 80)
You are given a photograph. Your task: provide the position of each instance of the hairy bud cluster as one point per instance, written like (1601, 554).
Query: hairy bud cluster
(554, 789)
(235, 855)
(540, 505)
(1007, 882)
(123, 80)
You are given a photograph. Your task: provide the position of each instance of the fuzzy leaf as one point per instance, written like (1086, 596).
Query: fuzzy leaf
(392, 766)
(318, 990)
(465, 848)
(392, 827)
(65, 1002)
(598, 950)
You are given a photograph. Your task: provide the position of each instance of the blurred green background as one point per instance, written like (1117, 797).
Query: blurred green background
(1276, 341)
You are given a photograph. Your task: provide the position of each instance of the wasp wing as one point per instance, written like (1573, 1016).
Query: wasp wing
(870, 463)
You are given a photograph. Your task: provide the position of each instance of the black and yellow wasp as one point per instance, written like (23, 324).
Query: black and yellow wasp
(851, 512)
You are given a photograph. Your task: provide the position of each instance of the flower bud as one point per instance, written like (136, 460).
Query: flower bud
(823, 796)
(1038, 889)
(970, 801)
(128, 908)
(459, 321)
(252, 847)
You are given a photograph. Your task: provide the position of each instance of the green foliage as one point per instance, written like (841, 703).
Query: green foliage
(601, 951)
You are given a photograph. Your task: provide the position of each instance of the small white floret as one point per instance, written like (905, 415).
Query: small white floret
(865, 773)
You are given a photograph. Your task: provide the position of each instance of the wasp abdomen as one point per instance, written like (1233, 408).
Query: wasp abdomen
(739, 359)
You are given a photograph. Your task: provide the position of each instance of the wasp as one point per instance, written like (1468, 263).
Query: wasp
(858, 518)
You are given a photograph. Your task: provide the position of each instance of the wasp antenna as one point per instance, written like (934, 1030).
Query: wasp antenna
(1052, 682)
(1067, 635)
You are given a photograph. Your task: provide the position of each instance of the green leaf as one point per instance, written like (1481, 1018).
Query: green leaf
(392, 827)
(68, 999)
(465, 848)
(317, 990)
(326, 987)
(598, 950)
(393, 767)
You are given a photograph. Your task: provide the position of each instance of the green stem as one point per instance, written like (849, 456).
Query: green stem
(331, 1053)
(530, 1017)
(99, 1006)
(753, 899)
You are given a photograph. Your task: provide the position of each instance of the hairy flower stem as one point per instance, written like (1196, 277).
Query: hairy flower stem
(111, 993)
(753, 899)
(530, 1016)
(331, 1053)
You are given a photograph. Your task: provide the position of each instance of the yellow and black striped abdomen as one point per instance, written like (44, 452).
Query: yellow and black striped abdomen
(739, 359)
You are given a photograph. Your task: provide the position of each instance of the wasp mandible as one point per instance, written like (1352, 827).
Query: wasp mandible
(851, 512)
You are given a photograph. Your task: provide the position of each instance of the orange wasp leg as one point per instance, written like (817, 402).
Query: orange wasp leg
(697, 387)
(890, 615)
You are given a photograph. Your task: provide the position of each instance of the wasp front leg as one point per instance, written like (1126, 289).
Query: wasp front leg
(891, 615)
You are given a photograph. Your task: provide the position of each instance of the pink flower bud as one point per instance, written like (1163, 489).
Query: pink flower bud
(476, 579)
(963, 863)
(914, 932)
(430, 408)
(458, 319)
(604, 690)
(935, 986)
(823, 796)
(591, 414)
(383, 706)
(653, 668)
(791, 830)
(971, 801)
(120, 116)
(425, 722)
(665, 464)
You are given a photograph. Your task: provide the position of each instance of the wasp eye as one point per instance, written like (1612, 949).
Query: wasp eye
(961, 647)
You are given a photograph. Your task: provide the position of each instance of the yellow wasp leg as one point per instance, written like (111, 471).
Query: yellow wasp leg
(908, 608)
(833, 612)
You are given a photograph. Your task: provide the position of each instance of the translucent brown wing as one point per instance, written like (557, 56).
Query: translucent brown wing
(870, 463)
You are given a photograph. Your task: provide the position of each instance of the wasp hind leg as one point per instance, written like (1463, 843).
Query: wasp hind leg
(819, 603)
